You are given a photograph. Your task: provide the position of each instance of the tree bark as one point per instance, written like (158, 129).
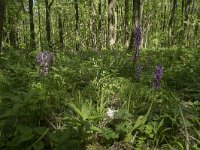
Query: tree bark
(93, 25)
(146, 25)
(126, 12)
(135, 21)
(196, 28)
(12, 34)
(111, 22)
(32, 36)
(164, 17)
(39, 25)
(171, 20)
(60, 25)
(2, 8)
(104, 24)
(77, 24)
(187, 21)
(100, 17)
(48, 26)
(100, 24)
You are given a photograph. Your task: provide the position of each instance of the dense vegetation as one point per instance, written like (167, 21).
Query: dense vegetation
(73, 76)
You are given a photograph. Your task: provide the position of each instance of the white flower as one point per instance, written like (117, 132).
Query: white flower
(110, 112)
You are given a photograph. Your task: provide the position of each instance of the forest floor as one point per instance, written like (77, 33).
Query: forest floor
(98, 101)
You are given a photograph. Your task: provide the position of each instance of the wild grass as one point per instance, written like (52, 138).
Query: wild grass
(67, 109)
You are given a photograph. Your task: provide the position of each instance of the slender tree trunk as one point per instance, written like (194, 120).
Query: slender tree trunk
(105, 24)
(13, 38)
(100, 17)
(141, 20)
(146, 25)
(111, 22)
(163, 22)
(196, 28)
(126, 12)
(77, 24)
(2, 8)
(5, 35)
(186, 20)
(48, 29)
(116, 13)
(182, 20)
(182, 10)
(135, 21)
(100, 25)
(171, 20)
(24, 34)
(190, 13)
(12, 34)
(122, 23)
(60, 25)
(48, 21)
(32, 36)
(93, 25)
(40, 30)
(164, 17)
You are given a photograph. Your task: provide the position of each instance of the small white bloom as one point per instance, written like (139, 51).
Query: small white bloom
(110, 112)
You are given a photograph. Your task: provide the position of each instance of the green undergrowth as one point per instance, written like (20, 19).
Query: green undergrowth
(67, 109)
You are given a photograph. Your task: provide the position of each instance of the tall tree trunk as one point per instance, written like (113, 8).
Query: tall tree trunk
(163, 21)
(196, 28)
(93, 25)
(13, 38)
(121, 23)
(164, 17)
(135, 21)
(141, 19)
(182, 10)
(2, 8)
(39, 25)
(77, 24)
(146, 25)
(171, 20)
(111, 22)
(186, 20)
(60, 25)
(12, 34)
(116, 14)
(5, 35)
(126, 12)
(105, 24)
(25, 41)
(100, 17)
(100, 25)
(48, 26)
(32, 36)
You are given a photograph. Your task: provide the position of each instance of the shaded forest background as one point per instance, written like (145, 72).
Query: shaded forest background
(95, 25)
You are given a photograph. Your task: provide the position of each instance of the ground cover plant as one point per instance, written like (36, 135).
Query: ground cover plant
(70, 106)
(93, 75)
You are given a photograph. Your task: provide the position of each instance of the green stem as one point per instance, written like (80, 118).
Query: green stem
(39, 138)
(187, 144)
